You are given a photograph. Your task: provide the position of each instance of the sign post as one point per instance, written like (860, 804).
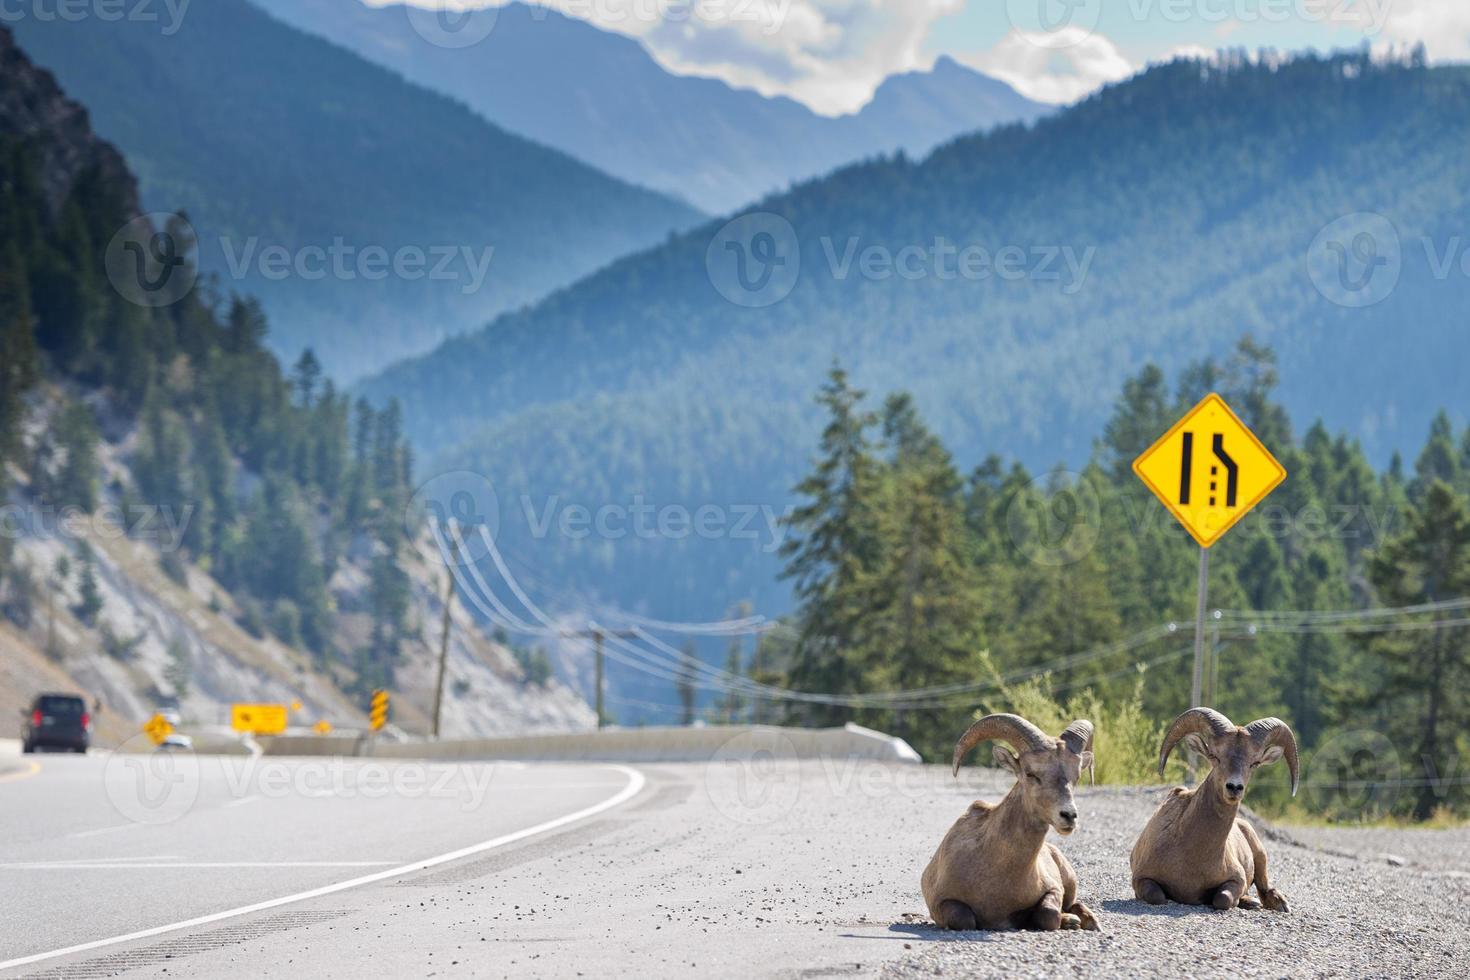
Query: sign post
(1209, 470)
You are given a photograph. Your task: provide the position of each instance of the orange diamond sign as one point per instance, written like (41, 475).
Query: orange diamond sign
(1209, 470)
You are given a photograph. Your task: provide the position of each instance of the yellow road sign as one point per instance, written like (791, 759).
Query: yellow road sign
(1209, 470)
(323, 727)
(157, 728)
(258, 719)
(378, 714)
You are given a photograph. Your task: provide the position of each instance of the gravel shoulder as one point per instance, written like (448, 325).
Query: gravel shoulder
(1353, 913)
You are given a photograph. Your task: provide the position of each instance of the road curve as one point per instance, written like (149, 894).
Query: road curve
(100, 851)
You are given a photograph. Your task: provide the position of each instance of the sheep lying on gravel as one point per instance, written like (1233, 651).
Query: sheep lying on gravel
(995, 868)
(1195, 850)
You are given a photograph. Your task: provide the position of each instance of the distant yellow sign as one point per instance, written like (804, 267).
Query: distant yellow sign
(378, 711)
(1209, 470)
(157, 728)
(258, 719)
(323, 727)
(295, 705)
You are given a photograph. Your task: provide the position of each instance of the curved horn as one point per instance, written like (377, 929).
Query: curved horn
(1266, 732)
(1013, 729)
(1196, 721)
(1078, 738)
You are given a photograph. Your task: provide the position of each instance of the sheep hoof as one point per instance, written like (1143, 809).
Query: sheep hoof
(1149, 891)
(1224, 901)
(1070, 921)
(1085, 917)
(1249, 904)
(1047, 919)
(1275, 901)
(956, 915)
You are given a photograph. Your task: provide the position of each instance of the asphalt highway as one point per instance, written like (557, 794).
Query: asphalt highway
(324, 868)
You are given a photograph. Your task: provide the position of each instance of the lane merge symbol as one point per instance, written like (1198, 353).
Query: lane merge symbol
(1208, 491)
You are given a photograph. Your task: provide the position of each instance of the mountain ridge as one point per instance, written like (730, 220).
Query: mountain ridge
(603, 98)
(280, 146)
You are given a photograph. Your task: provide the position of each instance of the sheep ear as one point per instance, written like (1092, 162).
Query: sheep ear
(1088, 763)
(1198, 745)
(1006, 759)
(1272, 754)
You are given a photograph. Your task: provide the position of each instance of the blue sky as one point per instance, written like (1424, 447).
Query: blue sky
(832, 54)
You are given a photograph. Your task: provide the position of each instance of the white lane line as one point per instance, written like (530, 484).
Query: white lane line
(181, 865)
(632, 789)
(104, 830)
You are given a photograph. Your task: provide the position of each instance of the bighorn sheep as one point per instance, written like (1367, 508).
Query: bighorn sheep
(995, 869)
(1195, 850)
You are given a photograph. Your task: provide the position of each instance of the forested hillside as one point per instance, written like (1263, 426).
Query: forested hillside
(178, 508)
(989, 586)
(280, 146)
(1161, 220)
(601, 97)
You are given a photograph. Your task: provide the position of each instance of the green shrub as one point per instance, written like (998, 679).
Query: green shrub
(1125, 741)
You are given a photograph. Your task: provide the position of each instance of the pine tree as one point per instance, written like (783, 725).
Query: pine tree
(832, 550)
(1430, 671)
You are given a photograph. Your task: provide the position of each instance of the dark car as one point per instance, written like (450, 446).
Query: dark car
(57, 721)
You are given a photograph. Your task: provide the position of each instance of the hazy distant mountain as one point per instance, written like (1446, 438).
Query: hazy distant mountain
(601, 97)
(1011, 282)
(271, 137)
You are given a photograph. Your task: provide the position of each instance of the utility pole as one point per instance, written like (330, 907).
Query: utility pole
(443, 648)
(596, 635)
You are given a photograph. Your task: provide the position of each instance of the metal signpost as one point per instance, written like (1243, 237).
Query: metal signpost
(1209, 470)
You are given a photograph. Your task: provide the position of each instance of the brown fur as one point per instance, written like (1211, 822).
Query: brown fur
(995, 869)
(1195, 849)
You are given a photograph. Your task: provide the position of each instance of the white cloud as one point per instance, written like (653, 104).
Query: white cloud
(829, 54)
(1059, 68)
(1443, 26)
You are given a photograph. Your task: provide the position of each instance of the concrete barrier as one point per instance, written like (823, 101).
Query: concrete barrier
(622, 745)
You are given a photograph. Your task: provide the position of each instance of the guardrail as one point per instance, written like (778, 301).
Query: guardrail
(619, 745)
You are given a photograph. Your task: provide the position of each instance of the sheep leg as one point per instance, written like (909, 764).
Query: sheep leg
(1084, 916)
(1046, 916)
(1148, 890)
(1270, 897)
(1228, 895)
(956, 915)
